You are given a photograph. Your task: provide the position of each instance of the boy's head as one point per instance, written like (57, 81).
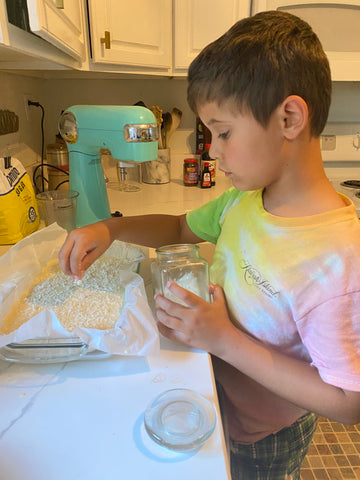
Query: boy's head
(259, 62)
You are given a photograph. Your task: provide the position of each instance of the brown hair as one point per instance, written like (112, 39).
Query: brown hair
(259, 62)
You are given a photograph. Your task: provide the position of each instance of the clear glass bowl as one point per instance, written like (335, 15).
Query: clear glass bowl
(45, 350)
(180, 419)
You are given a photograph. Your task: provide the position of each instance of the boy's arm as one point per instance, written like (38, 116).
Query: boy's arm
(84, 245)
(292, 379)
(207, 326)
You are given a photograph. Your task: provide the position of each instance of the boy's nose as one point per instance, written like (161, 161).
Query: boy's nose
(212, 151)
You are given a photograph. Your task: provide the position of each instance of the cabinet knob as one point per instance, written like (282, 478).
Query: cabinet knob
(106, 39)
(59, 3)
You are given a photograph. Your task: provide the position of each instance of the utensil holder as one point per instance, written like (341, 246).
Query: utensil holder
(157, 171)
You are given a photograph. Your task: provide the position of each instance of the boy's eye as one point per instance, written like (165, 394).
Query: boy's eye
(223, 135)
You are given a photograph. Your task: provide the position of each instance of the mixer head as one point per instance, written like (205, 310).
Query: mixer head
(129, 132)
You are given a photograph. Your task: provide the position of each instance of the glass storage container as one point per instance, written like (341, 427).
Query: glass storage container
(182, 264)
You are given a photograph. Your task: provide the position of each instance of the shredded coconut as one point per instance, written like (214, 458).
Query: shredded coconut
(94, 302)
(188, 281)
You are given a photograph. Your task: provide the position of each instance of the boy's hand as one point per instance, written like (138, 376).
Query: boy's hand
(200, 324)
(82, 247)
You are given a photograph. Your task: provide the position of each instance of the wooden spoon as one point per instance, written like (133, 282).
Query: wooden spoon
(165, 128)
(176, 115)
(156, 110)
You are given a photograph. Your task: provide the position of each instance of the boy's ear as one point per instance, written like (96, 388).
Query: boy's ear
(294, 116)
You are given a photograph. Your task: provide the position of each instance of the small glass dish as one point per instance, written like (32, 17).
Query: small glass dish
(180, 420)
(44, 350)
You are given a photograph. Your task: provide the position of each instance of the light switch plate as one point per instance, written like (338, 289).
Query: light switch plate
(328, 142)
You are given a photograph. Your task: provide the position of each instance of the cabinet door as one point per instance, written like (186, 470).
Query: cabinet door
(3, 23)
(137, 33)
(336, 22)
(199, 22)
(61, 23)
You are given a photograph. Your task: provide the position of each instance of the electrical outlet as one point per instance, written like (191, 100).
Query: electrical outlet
(28, 97)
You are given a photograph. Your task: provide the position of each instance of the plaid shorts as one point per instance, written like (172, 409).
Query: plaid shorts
(276, 457)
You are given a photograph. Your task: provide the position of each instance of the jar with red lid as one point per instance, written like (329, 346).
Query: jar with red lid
(191, 172)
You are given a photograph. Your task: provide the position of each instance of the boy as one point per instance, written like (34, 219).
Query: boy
(283, 327)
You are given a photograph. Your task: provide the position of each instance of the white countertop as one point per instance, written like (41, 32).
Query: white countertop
(83, 420)
(169, 198)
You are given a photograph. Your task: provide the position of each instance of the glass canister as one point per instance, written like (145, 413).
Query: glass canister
(182, 264)
(57, 154)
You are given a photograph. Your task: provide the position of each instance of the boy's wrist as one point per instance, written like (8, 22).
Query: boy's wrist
(228, 344)
(111, 225)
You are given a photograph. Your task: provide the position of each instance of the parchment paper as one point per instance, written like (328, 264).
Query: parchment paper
(135, 332)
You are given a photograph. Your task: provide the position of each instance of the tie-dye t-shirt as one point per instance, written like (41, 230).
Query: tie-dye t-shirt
(294, 285)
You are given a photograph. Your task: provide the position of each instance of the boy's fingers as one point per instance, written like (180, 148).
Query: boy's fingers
(187, 297)
(217, 293)
(169, 321)
(169, 306)
(64, 256)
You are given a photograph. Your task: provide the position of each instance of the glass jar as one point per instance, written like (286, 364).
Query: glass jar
(191, 172)
(182, 264)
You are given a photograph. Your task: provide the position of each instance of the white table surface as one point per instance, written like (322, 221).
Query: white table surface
(83, 420)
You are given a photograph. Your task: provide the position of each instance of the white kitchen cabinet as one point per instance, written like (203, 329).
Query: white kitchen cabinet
(131, 34)
(336, 22)
(61, 23)
(4, 40)
(199, 22)
(21, 49)
(157, 37)
(163, 35)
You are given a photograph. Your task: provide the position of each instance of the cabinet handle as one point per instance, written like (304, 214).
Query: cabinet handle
(59, 3)
(106, 39)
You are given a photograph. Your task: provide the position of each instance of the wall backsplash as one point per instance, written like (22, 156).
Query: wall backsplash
(57, 94)
(26, 143)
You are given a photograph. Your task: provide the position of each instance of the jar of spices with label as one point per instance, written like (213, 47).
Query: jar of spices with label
(191, 172)
(182, 264)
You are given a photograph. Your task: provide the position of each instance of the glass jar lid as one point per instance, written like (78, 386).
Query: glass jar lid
(177, 250)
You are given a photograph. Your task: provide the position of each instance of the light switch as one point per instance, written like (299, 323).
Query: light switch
(328, 142)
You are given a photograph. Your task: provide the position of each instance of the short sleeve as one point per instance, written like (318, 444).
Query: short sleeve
(206, 221)
(331, 334)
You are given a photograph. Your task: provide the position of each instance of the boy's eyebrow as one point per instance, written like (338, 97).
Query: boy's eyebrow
(213, 120)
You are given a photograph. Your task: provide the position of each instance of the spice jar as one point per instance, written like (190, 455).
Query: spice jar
(191, 171)
(182, 264)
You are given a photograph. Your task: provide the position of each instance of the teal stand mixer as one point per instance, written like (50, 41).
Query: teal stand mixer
(129, 132)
